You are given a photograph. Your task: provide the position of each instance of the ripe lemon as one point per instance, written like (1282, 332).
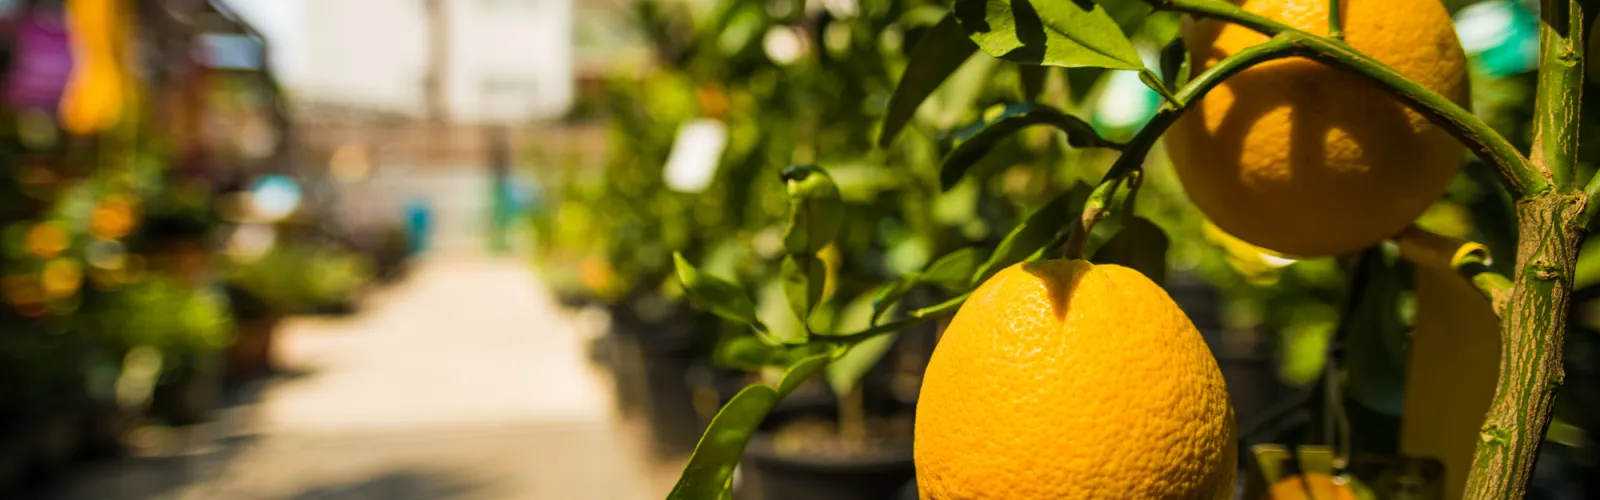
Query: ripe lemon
(1310, 160)
(1063, 379)
(1313, 486)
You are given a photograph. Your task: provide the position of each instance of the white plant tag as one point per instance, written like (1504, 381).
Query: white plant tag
(696, 154)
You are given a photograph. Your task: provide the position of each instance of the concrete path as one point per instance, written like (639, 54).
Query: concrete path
(463, 382)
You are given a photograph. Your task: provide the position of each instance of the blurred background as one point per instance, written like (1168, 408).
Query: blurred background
(350, 249)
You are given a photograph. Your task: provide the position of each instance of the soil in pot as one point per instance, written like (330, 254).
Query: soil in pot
(804, 457)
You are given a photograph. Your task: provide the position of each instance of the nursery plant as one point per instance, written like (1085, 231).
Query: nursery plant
(1306, 128)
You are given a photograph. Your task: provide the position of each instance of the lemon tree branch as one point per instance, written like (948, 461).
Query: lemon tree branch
(1551, 227)
(1520, 176)
(1335, 19)
(1138, 148)
(1591, 193)
(916, 317)
(1555, 107)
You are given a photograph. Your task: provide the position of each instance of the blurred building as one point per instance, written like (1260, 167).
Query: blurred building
(405, 101)
(471, 61)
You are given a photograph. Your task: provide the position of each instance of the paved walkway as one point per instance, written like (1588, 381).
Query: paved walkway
(463, 382)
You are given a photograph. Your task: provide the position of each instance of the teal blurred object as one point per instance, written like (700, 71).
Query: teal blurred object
(1501, 37)
(419, 222)
(1125, 103)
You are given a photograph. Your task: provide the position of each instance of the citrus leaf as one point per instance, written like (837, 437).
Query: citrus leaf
(935, 57)
(815, 210)
(744, 352)
(954, 269)
(752, 354)
(1066, 33)
(1175, 64)
(1375, 347)
(710, 293)
(845, 372)
(849, 366)
(1028, 238)
(976, 140)
(711, 465)
(890, 295)
(1140, 245)
(803, 280)
(952, 272)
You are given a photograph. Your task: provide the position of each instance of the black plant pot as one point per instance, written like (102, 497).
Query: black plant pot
(668, 402)
(187, 395)
(651, 365)
(768, 474)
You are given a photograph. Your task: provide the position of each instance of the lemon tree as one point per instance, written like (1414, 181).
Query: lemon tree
(1299, 128)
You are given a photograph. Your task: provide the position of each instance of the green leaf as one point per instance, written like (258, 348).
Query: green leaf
(744, 352)
(815, 210)
(711, 465)
(752, 354)
(1067, 33)
(889, 296)
(1128, 14)
(773, 309)
(1375, 347)
(952, 272)
(846, 370)
(954, 269)
(976, 140)
(844, 373)
(710, 293)
(1028, 238)
(935, 57)
(803, 280)
(1175, 64)
(1140, 245)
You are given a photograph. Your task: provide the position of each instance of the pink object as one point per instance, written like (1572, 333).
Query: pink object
(43, 62)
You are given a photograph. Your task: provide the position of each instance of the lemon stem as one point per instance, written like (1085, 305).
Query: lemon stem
(1137, 149)
(1560, 87)
(1093, 211)
(1335, 20)
(916, 317)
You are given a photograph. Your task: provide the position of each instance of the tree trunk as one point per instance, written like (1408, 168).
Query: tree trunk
(1532, 335)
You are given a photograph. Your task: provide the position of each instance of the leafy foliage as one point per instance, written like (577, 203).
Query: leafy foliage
(1051, 33)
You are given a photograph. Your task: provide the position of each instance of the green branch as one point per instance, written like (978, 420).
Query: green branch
(1560, 87)
(1335, 20)
(1520, 176)
(1138, 148)
(1592, 204)
(916, 317)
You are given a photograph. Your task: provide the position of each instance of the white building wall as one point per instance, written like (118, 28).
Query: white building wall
(510, 60)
